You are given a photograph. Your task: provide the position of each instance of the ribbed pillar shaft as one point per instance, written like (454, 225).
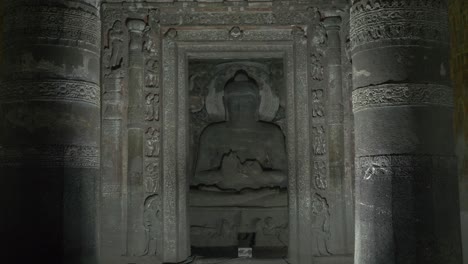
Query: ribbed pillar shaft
(407, 208)
(49, 131)
(136, 232)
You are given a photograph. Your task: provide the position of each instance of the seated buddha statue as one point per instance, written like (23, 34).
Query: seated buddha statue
(242, 157)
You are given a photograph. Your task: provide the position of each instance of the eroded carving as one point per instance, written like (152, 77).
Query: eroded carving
(374, 20)
(320, 225)
(320, 175)
(115, 45)
(152, 107)
(236, 32)
(152, 142)
(152, 73)
(317, 103)
(58, 90)
(316, 66)
(401, 94)
(152, 223)
(227, 157)
(319, 140)
(51, 156)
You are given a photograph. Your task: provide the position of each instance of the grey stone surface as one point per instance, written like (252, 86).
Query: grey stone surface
(407, 208)
(50, 131)
(176, 34)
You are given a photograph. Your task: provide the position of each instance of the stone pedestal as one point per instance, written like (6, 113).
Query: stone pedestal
(49, 131)
(407, 208)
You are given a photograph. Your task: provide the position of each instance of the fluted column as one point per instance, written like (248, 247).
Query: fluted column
(336, 134)
(136, 233)
(407, 208)
(49, 131)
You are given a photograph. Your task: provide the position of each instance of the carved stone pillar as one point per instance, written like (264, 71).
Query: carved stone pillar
(49, 131)
(407, 208)
(135, 202)
(336, 134)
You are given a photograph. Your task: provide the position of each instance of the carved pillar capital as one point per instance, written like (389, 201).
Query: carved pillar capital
(332, 22)
(136, 28)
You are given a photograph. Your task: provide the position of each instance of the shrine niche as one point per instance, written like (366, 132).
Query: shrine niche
(222, 134)
(239, 176)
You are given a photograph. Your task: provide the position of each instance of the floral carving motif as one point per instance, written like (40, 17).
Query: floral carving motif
(401, 94)
(52, 89)
(51, 156)
(397, 19)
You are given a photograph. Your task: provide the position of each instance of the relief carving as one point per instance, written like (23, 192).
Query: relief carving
(316, 70)
(58, 90)
(152, 224)
(115, 47)
(320, 226)
(152, 142)
(236, 32)
(396, 19)
(317, 103)
(402, 94)
(152, 73)
(51, 156)
(320, 175)
(152, 107)
(319, 141)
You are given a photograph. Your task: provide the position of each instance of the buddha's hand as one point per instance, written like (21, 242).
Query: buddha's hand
(251, 168)
(230, 164)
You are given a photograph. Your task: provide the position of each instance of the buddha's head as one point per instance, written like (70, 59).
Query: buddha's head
(241, 98)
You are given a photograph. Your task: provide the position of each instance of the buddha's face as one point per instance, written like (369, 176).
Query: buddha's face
(241, 106)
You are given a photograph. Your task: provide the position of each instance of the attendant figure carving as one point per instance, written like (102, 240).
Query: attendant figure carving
(152, 220)
(115, 37)
(320, 226)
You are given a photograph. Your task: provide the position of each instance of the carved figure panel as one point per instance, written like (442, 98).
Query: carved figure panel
(320, 175)
(152, 107)
(152, 146)
(319, 140)
(317, 103)
(320, 226)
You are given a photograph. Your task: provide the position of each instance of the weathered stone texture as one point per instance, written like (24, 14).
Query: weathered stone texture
(458, 14)
(403, 106)
(49, 139)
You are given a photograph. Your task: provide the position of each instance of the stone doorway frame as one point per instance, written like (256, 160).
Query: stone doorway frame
(180, 44)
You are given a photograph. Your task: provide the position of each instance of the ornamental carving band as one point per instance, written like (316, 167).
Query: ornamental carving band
(401, 94)
(58, 90)
(51, 156)
(413, 20)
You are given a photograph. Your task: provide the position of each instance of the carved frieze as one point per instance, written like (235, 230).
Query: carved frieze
(376, 20)
(58, 90)
(51, 156)
(75, 26)
(401, 94)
